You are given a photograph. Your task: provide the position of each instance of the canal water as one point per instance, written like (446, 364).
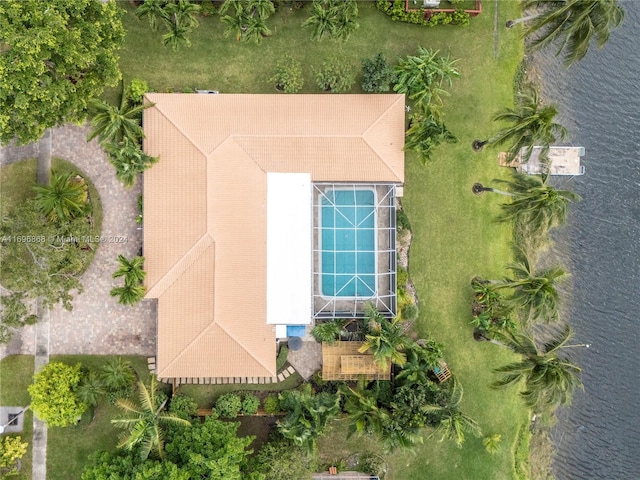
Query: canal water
(598, 436)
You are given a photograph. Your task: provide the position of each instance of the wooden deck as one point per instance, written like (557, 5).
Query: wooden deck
(561, 161)
(343, 361)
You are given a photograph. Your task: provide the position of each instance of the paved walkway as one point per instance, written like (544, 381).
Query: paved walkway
(307, 360)
(97, 325)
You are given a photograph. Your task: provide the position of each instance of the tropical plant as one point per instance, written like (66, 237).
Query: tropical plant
(229, 405)
(307, 415)
(336, 75)
(113, 124)
(90, 388)
(534, 292)
(329, 331)
(322, 20)
(131, 270)
(183, 406)
(453, 423)
(364, 414)
(288, 77)
(154, 10)
(385, 340)
(549, 379)
(345, 22)
(575, 24)
(425, 133)
(132, 291)
(118, 378)
(176, 35)
(492, 443)
(377, 74)
(179, 18)
(12, 449)
(67, 197)
(256, 30)
(280, 460)
(136, 90)
(54, 397)
(423, 78)
(250, 404)
(531, 124)
(56, 55)
(271, 404)
(421, 359)
(247, 19)
(144, 423)
(129, 160)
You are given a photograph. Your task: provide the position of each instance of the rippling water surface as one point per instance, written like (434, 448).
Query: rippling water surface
(599, 435)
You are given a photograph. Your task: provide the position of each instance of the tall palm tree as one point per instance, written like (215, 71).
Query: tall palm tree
(534, 293)
(346, 23)
(176, 36)
(237, 24)
(182, 12)
(531, 124)
(573, 23)
(256, 30)
(154, 9)
(420, 360)
(129, 160)
(364, 413)
(262, 8)
(534, 204)
(144, 422)
(322, 21)
(64, 199)
(550, 380)
(385, 340)
(453, 423)
(113, 124)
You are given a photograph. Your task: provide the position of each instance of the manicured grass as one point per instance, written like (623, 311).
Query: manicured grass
(16, 184)
(16, 373)
(68, 448)
(455, 236)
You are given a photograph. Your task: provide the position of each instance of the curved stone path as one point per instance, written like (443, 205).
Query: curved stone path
(97, 325)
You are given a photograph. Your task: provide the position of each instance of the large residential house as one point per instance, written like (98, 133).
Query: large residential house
(266, 212)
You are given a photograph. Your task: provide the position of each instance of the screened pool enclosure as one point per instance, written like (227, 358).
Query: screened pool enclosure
(354, 249)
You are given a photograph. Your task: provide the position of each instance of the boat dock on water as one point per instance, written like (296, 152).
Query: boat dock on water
(560, 161)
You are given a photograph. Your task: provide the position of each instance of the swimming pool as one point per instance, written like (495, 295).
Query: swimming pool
(348, 242)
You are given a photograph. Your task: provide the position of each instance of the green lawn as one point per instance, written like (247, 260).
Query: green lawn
(455, 236)
(69, 447)
(16, 373)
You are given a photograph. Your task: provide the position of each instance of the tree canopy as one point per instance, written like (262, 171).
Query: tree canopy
(56, 55)
(53, 394)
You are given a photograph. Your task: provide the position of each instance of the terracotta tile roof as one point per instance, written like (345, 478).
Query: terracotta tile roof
(205, 209)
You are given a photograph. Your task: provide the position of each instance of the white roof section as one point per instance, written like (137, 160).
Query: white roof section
(289, 207)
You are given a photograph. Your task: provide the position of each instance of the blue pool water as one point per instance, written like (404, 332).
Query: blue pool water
(348, 243)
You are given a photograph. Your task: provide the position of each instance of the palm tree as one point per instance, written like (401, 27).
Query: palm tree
(453, 423)
(145, 422)
(182, 12)
(308, 415)
(129, 160)
(364, 414)
(131, 270)
(176, 36)
(329, 332)
(263, 8)
(90, 388)
(531, 124)
(534, 293)
(345, 23)
(385, 340)
(64, 199)
(113, 124)
(154, 10)
(129, 294)
(322, 21)
(534, 204)
(422, 78)
(575, 23)
(117, 374)
(236, 24)
(549, 379)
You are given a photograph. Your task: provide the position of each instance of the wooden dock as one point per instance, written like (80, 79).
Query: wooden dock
(560, 161)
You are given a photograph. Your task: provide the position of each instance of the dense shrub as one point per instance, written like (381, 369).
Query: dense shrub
(402, 221)
(402, 276)
(229, 405)
(378, 74)
(183, 406)
(271, 404)
(250, 404)
(373, 465)
(396, 11)
(288, 76)
(409, 312)
(136, 90)
(337, 75)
